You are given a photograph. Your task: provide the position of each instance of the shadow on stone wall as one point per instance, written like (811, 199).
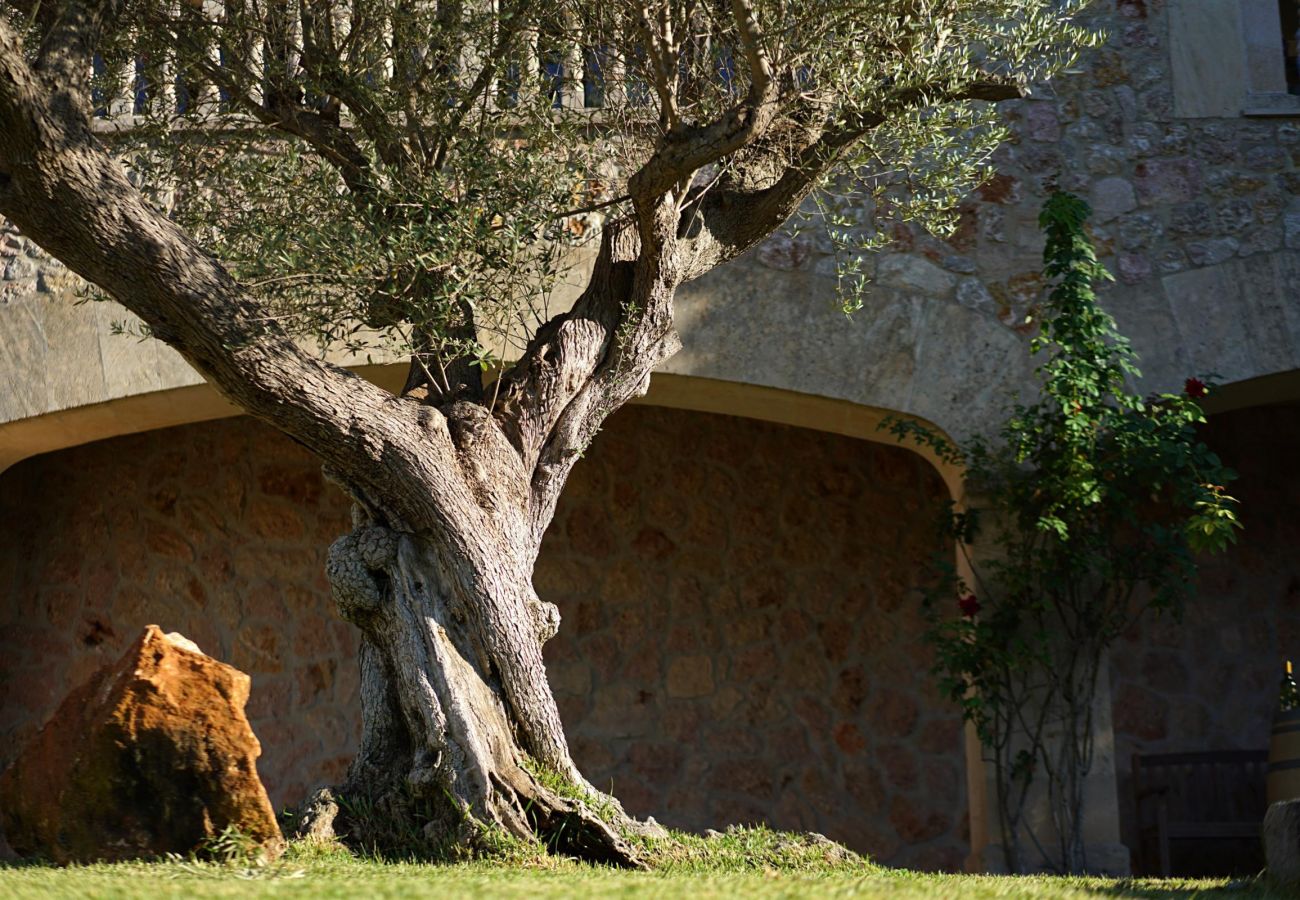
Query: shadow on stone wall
(1210, 682)
(740, 641)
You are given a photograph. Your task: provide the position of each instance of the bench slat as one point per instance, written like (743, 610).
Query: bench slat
(1213, 830)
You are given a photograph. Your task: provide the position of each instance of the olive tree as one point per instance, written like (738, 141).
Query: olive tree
(415, 177)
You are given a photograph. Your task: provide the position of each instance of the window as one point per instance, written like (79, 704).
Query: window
(1290, 15)
(1230, 57)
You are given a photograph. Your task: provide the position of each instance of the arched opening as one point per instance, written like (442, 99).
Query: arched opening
(741, 639)
(1209, 682)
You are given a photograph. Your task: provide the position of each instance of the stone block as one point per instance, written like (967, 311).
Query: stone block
(1192, 219)
(24, 351)
(1266, 158)
(1041, 122)
(1212, 252)
(1281, 833)
(912, 273)
(153, 755)
(74, 371)
(1133, 268)
(1162, 181)
(785, 252)
(1208, 71)
(1112, 197)
(690, 676)
(1291, 225)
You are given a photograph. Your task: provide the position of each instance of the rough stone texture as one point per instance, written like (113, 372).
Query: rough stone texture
(1199, 217)
(740, 641)
(1195, 216)
(1282, 842)
(152, 755)
(219, 531)
(1210, 682)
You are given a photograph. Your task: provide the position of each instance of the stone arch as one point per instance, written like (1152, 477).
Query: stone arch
(785, 677)
(1209, 681)
(138, 523)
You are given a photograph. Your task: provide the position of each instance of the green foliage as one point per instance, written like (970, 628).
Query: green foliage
(413, 178)
(1089, 507)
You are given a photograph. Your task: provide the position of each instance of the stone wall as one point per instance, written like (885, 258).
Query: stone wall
(1199, 218)
(740, 642)
(1210, 682)
(1197, 214)
(217, 531)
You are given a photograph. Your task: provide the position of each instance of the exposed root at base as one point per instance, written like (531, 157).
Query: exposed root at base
(396, 822)
(570, 828)
(737, 849)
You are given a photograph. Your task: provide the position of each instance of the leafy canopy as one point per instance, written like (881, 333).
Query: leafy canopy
(422, 175)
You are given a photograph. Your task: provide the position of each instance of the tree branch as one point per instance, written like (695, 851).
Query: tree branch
(506, 35)
(751, 41)
(726, 221)
(320, 58)
(66, 193)
(71, 30)
(686, 148)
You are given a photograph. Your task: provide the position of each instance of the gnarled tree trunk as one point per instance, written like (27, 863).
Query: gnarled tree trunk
(461, 731)
(459, 721)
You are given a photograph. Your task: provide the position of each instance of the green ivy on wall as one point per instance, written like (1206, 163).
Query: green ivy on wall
(1089, 506)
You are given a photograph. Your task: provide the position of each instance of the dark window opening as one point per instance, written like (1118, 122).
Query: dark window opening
(1291, 40)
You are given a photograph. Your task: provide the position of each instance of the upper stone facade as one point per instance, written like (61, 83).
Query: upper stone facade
(1179, 131)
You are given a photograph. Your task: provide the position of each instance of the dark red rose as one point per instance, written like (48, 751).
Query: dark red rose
(1195, 388)
(969, 606)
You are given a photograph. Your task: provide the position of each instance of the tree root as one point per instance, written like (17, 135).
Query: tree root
(571, 827)
(395, 820)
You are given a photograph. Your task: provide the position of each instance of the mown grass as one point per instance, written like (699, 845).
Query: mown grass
(749, 863)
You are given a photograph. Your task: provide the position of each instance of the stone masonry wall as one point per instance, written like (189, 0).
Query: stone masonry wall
(217, 531)
(740, 642)
(1198, 219)
(1210, 682)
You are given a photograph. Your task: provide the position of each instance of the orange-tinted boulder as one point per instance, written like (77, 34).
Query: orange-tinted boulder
(152, 755)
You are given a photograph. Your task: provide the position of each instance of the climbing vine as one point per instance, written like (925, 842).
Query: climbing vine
(1088, 506)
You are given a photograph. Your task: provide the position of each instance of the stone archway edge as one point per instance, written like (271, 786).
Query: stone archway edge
(23, 438)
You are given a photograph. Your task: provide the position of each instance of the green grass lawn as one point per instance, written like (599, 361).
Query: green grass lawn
(306, 871)
(371, 879)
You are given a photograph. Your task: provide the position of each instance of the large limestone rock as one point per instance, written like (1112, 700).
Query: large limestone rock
(1282, 842)
(152, 755)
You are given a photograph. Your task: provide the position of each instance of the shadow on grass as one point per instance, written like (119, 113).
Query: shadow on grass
(6, 864)
(1259, 887)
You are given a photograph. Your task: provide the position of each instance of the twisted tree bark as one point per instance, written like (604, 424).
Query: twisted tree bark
(442, 741)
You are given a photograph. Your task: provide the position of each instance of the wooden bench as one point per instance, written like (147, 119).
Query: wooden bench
(1210, 796)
